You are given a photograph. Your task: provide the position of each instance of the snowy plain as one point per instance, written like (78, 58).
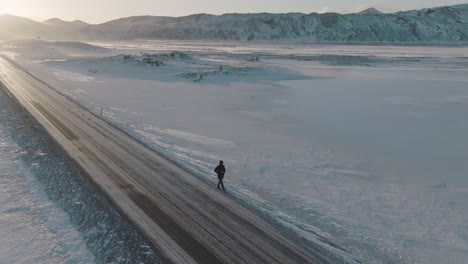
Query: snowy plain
(362, 145)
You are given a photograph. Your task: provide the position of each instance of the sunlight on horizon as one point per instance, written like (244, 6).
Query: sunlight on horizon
(9, 7)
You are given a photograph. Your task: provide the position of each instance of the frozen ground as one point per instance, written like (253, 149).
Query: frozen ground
(32, 228)
(362, 145)
(50, 212)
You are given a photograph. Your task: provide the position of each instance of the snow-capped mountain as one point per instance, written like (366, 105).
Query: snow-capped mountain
(428, 25)
(442, 24)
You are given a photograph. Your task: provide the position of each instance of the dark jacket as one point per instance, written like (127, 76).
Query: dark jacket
(220, 170)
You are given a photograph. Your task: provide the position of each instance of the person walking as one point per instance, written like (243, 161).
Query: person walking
(220, 170)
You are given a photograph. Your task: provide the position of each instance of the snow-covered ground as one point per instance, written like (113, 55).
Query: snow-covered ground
(362, 145)
(50, 211)
(32, 228)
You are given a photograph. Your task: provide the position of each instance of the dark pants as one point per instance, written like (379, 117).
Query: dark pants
(221, 183)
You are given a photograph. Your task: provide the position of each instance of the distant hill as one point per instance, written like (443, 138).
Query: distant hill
(370, 11)
(60, 29)
(442, 24)
(80, 23)
(55, 22)
(58, 23)
(18, 27)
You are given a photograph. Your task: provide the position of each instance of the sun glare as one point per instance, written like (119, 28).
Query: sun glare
(8, 7)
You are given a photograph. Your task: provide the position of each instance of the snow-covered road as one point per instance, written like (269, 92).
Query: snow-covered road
(187, 220)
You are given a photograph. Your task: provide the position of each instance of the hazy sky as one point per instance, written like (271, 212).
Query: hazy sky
(96, 11)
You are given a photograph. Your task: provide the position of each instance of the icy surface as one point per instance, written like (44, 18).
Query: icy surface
(50, 211)
(361, 145)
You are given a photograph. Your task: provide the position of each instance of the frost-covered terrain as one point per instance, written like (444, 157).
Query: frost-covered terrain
(362, 145)
(50, 211)
(32, 228)
(447, 24)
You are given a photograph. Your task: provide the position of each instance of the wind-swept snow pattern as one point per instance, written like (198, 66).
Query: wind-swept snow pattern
(50, 211)
(360, 149)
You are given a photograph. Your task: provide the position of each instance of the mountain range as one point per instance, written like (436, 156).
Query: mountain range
(441, 24)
